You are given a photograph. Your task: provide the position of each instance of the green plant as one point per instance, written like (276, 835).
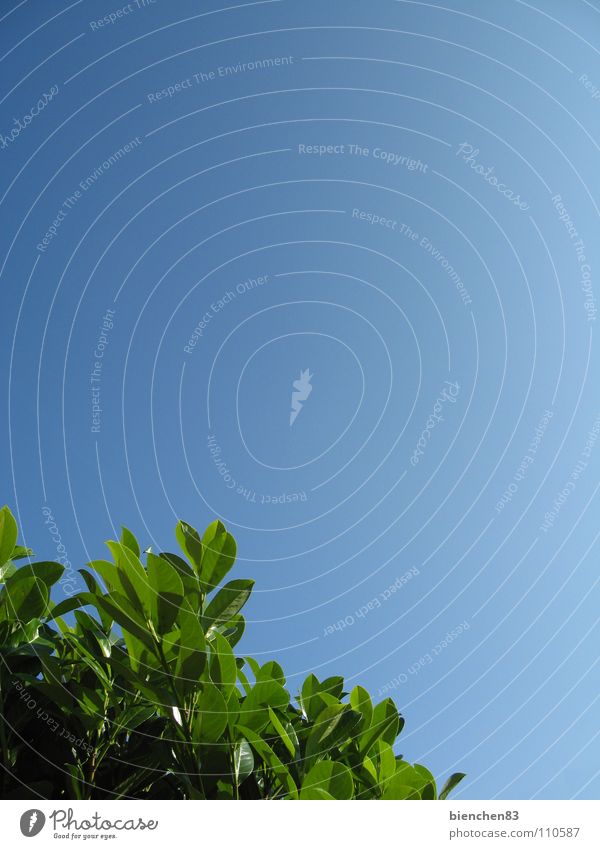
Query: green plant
(143, 696)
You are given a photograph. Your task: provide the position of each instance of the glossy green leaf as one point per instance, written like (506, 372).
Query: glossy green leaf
(279, 728)
(210, 714)
(125, 615)
(133, 578)
(66, 606)
(418, 779)
(429, 789)
(309, 688)
(6, 570)
(191, 583)
(191, 658)
(218, 554)
(177, 562)
(333, 685)
(318, 703)
(226, 603)
(109, 574)
(271, 671)
(384, 725)
(233, 630)
(129, 540)
(266, 753)
(322, 736)
(47, 573)
(26, 599)
(223, 668)
(329, 776)
(8, 535)
(190, 543)
(243, 761)
(265, 693)
(166, 590)
(396, 790)
(29, 631)
(360, 701)
(452, 782)
(385, 761)
(19, 552)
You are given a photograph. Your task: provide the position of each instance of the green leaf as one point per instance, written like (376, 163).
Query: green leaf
(369, 767)
(244, 681)
(218, 555)
(384, 725)
(396, 790)
(6, 570)
(93, 631)
(337, 729)
(270, 670)
(178, 563)
(243, 761)
(254, 666)
(314, 698)
(109, 574)
(191, 657)
(265, 693)
(310, 686)
(66, 606)
(125, 615)
(223, 668)
(26, 599)
(320, 738)
(133, 577)
(360, 701)
(190, 543)
(333, 685)
(429, 789)
(189, 579)
(47, 573)
(210, 715)
(282, 733)
(90, 581)
(89, 597)
(167, 589)
(418, 781)
(226, 603)
(234, 629)
(264, 751)
(318, 703)
(386, 761)
(29, 631)
(329, 776)
(8, 535)
(19, 552)
(452, 782)
(128, 540)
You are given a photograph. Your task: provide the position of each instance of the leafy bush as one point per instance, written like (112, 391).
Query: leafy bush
(143, 696)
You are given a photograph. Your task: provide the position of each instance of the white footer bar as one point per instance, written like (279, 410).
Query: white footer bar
(305, 825)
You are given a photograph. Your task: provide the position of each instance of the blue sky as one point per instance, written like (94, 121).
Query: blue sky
(398, 198)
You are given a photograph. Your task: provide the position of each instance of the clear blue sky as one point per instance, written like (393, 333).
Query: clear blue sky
(399, 198)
